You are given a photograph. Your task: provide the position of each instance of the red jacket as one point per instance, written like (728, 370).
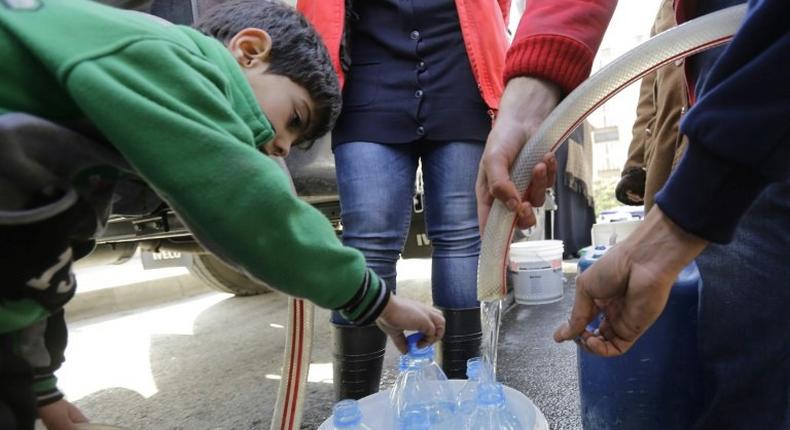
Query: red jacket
(571, 30)
(557, 40)
(483, 26)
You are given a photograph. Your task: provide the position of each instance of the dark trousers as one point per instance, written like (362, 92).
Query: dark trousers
(744, 324)
(744, 321)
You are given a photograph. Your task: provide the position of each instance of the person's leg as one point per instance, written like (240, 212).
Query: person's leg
(376, 183)
(574, 216)
(449, 173)
(744, 327)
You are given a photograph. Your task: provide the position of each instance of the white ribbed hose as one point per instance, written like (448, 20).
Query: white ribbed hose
(692, 37)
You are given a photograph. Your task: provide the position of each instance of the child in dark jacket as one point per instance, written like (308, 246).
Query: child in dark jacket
(194, 117)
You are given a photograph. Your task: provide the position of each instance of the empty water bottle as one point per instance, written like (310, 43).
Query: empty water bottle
(415, 419)
(347, 415)
(403, 363)
(491, 411)
(422, 386)
(467, 397)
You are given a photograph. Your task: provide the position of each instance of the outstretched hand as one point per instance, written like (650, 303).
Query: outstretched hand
(629, 285)
(525, 104)
(404, 314)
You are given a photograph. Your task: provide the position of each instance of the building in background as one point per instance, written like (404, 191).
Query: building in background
(612, 123)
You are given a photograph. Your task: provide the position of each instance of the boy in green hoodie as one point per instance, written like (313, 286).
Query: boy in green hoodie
(194, 117)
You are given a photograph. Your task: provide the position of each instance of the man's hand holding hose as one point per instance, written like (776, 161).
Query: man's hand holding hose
(631, 283)
(525, 103)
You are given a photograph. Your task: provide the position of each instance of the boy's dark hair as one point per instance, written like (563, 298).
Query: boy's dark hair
(297, 51)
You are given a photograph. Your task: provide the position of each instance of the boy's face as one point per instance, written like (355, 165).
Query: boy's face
(287, 105)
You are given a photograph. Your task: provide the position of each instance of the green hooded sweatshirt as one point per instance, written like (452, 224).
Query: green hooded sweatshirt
(178, 108)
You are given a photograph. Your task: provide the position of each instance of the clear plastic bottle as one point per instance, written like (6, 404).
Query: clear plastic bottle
(347, 415)
(415, 419)
(467, 397)
(423, 386)
(403, 363)
(491, 411)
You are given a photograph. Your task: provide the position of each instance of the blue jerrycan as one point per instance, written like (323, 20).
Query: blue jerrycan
(657, 383)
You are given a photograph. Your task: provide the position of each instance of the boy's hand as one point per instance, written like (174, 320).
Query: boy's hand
(61, 415)
(403, 314)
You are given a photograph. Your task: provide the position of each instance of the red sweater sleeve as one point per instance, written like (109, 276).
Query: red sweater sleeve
(556, 40)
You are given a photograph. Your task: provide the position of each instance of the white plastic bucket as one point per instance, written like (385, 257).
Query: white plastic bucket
(535, 271)
(610, 233)
(377, 413)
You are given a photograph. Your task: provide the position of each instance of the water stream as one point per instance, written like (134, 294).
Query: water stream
(491, 317)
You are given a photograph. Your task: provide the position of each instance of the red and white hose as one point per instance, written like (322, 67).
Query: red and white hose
(682, 41)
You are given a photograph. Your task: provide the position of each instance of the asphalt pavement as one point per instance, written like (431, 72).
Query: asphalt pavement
(196, 359)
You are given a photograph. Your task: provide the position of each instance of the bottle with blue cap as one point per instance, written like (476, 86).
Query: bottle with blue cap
(347, 415)
(492, 412)
(467, 397)
(422, 386)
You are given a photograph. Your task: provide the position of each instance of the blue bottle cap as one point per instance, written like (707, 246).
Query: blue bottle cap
(347, 413)
(414, 350)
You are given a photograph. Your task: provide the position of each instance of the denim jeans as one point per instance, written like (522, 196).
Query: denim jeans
(376, 185)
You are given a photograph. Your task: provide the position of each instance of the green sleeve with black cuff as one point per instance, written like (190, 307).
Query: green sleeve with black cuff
(368, 303)
(179, 109)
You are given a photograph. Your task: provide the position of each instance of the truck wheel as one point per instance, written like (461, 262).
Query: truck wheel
(221, 277)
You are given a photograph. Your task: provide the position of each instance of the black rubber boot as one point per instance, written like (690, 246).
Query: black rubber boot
(461, 340)
(359, 357)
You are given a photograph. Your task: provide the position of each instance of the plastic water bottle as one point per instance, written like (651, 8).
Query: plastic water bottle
(422, 388)
(403, 363)
(415, 419)
(491, 411)
(348, 416)
(467, 397)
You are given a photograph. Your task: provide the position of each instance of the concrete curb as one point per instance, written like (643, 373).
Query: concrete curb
(96, 303)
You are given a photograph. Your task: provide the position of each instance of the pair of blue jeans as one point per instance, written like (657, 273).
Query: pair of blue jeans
(376, 183)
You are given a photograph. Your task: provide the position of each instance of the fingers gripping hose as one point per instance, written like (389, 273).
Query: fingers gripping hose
(690, 38)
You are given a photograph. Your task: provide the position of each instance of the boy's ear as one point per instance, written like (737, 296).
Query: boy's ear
(251, 47)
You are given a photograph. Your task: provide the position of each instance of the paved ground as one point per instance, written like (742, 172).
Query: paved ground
(211, 361)
(530, 361)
